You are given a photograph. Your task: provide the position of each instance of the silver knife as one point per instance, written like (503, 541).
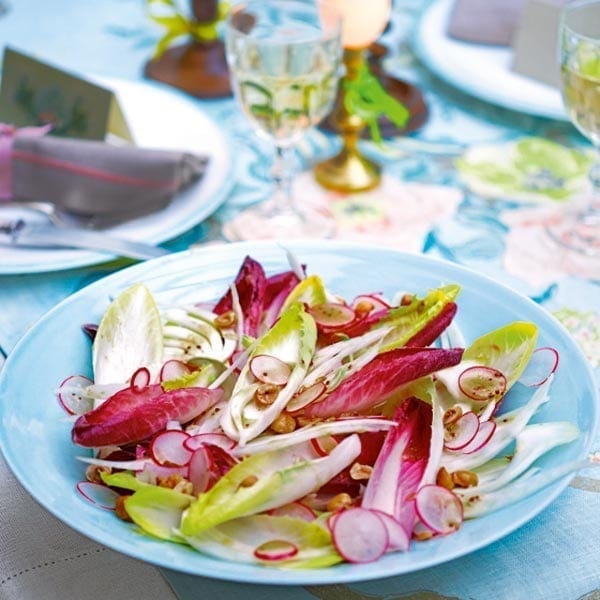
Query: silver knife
(18, 232)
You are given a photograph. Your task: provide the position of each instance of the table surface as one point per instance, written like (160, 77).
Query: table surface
(555, 556)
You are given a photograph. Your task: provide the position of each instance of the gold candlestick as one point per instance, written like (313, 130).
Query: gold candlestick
(349, 171)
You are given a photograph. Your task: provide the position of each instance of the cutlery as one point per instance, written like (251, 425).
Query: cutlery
(18, 232)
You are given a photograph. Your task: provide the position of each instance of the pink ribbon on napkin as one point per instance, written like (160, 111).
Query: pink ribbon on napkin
(7, 136)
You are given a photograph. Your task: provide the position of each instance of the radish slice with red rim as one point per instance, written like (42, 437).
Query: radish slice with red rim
(462, 431)
(377, 302)
(482, 437)
(332, 314)
(439, 509)
(482, 384)
(359, 535)
(296, 510)
(275, 550)
(543, 364)
(140, 379)
(324, 444)
(269, 369)
(193, 442)
(398, 539)
(98, 494)
(168, 448)
(200, 470)
(173, 369)
(71, 395)
(306, 396)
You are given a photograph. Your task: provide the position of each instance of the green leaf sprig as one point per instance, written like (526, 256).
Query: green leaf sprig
(167, 14)
(368, 99)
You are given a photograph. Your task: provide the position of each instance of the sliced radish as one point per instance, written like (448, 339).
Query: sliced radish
(173, 425)
(275, 550)
(460, 432)
(173, 369)
(306, 396)
(377, 302)
(439, 509)
(360, 535)
(193, 442)
(542, 364)
(152, 470)
(140, 379)
(324, 444)
(199, 470)
(296, 510)
(269, 369)
(168, 448)
(98, 494)
(482, 383)
(482, 437)
(398, 538)
(72, 397)
(332, 314)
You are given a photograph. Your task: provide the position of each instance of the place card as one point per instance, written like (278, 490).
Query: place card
(535, 44)
(35, 93)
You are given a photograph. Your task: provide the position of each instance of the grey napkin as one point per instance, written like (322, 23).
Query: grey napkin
(485, 21)
(98, 179)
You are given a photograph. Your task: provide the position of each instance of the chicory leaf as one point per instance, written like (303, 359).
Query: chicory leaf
(264, 481)
(129, 337)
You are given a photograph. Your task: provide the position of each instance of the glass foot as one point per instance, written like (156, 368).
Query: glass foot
(269, 221)
(580, 233)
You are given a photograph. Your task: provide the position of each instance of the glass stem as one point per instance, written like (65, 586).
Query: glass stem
(282, 177)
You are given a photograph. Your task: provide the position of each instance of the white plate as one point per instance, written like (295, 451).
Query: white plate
(479, 70)
(160, 119)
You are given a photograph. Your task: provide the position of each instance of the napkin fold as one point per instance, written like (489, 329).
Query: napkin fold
(92, 179)
(485, 21)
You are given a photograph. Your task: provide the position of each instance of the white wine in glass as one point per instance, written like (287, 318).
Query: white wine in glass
(284, 57)
(580, 74)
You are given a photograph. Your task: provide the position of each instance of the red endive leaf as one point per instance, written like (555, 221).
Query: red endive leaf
(251, 284)
(434, 328)
(131, 416)
(379, 378)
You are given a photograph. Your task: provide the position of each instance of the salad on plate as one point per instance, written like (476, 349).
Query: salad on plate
(284, 425)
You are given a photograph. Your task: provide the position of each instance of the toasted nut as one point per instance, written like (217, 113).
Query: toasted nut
(444, 479)
(406, 299)
(170, 481)
(339, 336)
(423, 535)
(465, 479)
(266, 394)
(120, 509)
(249, 481)
(284, 423)
(364, 307)
(92, 473)
(452, 415)
(339, 502)
(184, 487)
(358, 471)
(226, 319)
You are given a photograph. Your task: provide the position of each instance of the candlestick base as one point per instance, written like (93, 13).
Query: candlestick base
(348, 172)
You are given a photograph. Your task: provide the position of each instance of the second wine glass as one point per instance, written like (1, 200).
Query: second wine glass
(284, 57)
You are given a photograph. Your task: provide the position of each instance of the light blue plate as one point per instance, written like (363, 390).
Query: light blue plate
(35, 436)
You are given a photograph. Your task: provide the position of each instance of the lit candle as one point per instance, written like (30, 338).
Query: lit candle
(363, 21)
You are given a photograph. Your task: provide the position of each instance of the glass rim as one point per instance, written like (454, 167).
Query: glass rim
(235, 10)
(573, 7)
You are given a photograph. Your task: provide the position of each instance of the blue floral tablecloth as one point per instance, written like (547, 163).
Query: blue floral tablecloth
(557, 555)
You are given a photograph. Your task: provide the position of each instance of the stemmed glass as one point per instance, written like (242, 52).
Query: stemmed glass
(284, 58)
(580, 68)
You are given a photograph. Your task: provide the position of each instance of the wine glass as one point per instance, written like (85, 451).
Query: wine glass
(580, 69)
(284, 58)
